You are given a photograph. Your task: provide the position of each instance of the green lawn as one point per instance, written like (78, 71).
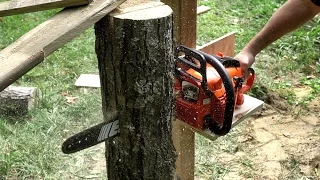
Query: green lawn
(30, 146)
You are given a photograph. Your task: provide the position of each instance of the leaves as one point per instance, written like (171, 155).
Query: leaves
(69, 98)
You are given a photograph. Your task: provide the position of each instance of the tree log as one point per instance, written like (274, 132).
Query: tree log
(18, 100)
(135, 54)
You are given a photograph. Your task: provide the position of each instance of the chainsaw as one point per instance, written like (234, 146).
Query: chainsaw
(208, 88)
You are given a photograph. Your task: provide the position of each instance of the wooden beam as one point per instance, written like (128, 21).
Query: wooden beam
(185, 32)
(185, 21)
(13, 7)
(28, 51)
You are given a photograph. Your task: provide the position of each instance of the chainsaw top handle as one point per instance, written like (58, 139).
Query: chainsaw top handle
(202, 69)
(230, 94)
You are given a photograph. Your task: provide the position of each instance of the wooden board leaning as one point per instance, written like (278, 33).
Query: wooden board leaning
(31, 49)
(13, 7)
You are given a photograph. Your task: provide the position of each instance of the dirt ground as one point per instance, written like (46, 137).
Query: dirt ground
(281, 142)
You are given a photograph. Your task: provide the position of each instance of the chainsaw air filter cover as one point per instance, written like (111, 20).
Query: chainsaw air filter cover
(190, 91)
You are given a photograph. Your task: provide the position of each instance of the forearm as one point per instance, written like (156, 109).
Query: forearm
(287, 18)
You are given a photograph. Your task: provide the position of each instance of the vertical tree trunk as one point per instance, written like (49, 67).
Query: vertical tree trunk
(135, 54)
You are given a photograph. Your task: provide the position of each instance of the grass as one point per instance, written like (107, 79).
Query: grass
(30, 146)
(284, 65)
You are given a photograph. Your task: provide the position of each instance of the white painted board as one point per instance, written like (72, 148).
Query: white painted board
(88, 80)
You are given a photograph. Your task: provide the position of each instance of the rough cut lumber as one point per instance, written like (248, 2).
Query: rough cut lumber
(185, 33)
(185, 21)
(18, 100)
(135, 54)
(13, 7)
(24, 54)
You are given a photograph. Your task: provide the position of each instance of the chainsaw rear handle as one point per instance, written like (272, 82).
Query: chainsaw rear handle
(230, 94)
(231, 62)
(202, 69)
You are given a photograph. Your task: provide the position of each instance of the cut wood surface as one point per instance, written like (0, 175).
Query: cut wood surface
(129, 4)
(13, 7)
(18, 100)
(29, 50)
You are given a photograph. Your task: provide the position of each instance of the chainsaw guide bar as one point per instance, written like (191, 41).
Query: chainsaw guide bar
(91, 137)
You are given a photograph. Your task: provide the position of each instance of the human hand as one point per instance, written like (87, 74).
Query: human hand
(246, 60)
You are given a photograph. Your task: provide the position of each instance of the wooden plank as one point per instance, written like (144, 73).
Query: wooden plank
(18, 100)
(13, 7)
(24, 54)
(202, 9)
(185, 32)
(184, 142)
(185, 21)
(224, 44)
(188, 23)
(249, 107)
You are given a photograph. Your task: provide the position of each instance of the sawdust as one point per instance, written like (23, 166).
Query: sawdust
(281, 145)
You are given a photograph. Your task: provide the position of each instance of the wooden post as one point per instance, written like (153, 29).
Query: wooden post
(185, 23)
(135, 54)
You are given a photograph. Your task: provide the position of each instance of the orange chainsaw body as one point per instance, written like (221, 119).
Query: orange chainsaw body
(194, 106)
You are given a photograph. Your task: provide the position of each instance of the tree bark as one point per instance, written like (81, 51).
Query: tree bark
(135, 54)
